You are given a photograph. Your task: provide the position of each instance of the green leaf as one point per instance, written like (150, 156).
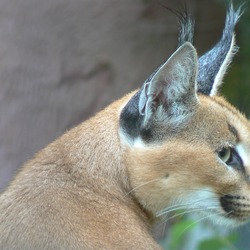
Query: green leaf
(179, 232)
(218, 243)
(211, 244)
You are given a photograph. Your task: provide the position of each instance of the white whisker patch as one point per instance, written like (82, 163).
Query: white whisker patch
(208, 197)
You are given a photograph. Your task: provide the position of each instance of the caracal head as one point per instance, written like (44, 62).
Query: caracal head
(186, 147)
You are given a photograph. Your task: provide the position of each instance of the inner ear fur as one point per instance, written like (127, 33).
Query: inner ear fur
(172, 90)
(167, 99)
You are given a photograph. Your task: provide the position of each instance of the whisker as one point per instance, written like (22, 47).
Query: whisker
(193, 207)
(165, 211)
(172, 208)
(169, 210)
(180, 214)
(203, 218)
(205, 190)
(143, 184)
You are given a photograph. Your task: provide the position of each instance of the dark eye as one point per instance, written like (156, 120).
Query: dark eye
(230, 157)
(225, 154)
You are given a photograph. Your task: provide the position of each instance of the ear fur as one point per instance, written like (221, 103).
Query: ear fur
(168, 98)
(213, 65)
(172, 87)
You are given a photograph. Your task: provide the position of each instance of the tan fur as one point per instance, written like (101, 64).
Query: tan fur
(68, 197)
(71, 198)
(162, 148)
(188, 160)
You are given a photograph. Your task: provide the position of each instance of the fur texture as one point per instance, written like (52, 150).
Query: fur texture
(164, 147)
(213, 65)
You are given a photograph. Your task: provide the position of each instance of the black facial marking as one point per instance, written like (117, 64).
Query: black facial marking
(235, 206)
(234, 131)
(131, 119)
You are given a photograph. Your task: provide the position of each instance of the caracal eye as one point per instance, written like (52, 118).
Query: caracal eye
(231, 158)
(225, 154)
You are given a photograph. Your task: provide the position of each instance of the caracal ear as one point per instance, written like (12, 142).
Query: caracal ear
(214, 64)
(166, 100)
(171, 93)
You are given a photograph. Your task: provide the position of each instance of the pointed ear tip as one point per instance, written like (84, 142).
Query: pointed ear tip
(189, 48)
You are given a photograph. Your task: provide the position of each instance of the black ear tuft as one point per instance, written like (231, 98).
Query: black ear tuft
(186, 29)
(186, 24)
(186, 33)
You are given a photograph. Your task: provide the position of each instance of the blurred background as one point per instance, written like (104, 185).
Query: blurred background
(62, 61)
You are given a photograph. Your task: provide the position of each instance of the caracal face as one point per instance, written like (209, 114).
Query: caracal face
(204, 167)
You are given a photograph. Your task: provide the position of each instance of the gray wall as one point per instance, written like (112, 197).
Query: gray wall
(61, 61)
